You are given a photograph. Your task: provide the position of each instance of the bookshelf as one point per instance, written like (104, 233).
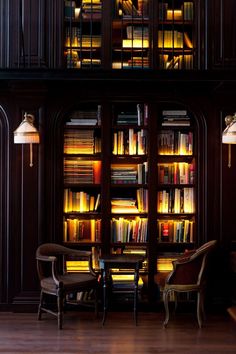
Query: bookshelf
(82, 178)
(129, 178)
(176, 41)
(111, 205)
(176, 186)
(82, 33)
(145, 34)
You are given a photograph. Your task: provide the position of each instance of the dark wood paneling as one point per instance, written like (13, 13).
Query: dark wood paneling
(54, 40)
(4, 205)
(35, 33)
(35, 200)
(4, 33)
(222, 34)
(27, 205)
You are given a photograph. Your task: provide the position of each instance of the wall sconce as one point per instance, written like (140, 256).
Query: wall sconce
(26, 133)
(229, 134)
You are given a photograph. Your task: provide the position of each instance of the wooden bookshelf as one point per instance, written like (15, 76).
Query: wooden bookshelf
(119, 208)
(82, 170)
(176, 183)
(82, 33)
(144, 34)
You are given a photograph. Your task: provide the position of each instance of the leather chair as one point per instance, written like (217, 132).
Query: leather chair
(189, 275)
(54, 279)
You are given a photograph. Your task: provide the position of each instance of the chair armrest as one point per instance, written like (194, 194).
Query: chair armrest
(52, 260)
(46, 258)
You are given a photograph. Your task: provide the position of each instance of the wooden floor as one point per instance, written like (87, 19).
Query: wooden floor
(22, 333)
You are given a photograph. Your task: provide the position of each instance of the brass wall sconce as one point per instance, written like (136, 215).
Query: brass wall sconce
(229, 134)
(26, 133)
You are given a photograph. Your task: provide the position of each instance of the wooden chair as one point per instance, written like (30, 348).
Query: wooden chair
(189, 275)
(54, 280)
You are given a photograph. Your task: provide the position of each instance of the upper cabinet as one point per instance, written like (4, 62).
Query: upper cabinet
(118, 34)
(83, 33)
(143, 34)
(222, 34)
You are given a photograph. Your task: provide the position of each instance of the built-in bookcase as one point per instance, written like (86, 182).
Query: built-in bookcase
(176, 34)
(82, 177)
(83, 35)
(145, 34)
(112, 202)
(129, 179)
(176, 186)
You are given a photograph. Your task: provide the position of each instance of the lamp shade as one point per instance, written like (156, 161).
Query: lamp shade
(229, 134)
(26, 133)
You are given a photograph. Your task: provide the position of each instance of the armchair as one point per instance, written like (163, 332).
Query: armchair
(189, 275)
(54, 279)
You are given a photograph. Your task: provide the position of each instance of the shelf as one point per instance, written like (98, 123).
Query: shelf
(133, 36)
(133, 209)
(83, 214)
(118, 23)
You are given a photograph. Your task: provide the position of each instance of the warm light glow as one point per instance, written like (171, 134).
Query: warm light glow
(77, 12)
(126, 278)
(229, 134)
(135, 43)
(165, 264)
(77, 266)
(174, 15)
(26, 133)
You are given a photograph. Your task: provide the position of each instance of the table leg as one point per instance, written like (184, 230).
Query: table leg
(104, 277)
(136, 278)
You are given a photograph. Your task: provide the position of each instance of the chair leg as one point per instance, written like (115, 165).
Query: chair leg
(167, 315)
(199, 308)
(60, 308)
(40, 306)
(202, 305)
(176, 301)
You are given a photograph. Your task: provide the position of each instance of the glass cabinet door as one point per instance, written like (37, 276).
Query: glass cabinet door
(175, 37)
(145, 34)
(82, 22)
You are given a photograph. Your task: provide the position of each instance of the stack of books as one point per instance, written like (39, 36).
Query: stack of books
(175, 118)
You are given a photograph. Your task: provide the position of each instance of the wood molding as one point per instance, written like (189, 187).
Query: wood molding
(223, 34)
(4, 204)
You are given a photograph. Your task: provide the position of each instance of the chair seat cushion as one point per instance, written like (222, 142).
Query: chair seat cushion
(70, 282)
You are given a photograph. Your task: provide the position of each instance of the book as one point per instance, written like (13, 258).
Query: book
(128, 8)
(97, 202)
(162, 10)
(174, 112)
(174, 15)
(187, 40)
(188, 10)
(69, 9)
(142, 7)
(173, 63)
(176, 123)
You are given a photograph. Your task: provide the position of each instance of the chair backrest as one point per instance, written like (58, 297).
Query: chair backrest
(50, 250)
(203, 252)
(191, 270)
(61, 253)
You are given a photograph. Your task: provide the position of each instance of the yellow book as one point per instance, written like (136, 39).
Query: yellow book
(187, 40)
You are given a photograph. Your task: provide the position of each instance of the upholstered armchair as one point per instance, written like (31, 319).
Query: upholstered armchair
(54, 279)
(189, 275)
